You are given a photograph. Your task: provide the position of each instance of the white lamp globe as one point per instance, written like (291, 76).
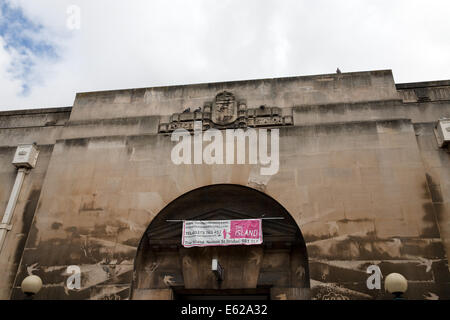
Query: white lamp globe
(31, 285)
(395, 283)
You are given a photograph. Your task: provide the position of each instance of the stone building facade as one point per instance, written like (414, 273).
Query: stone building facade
(362, 181)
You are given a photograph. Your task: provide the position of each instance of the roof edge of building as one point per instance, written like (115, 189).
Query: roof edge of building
(423, 84)
(35, 111)
(317, 76)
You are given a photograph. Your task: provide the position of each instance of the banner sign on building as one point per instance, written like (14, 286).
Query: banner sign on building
(222, 233)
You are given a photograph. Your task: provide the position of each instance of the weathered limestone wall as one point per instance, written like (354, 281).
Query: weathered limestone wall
(40, 126)
(425, 96)
(43, 126)
(357, 191)
(436, 162)
(360, 173)
(365, 201)
(379, 110)
(424, 91)
(282, 92)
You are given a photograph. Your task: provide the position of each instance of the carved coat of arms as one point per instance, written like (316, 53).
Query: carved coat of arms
(226, 113)
(224, 110)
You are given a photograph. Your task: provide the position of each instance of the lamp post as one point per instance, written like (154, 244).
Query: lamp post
(31, 285)
(396, 284)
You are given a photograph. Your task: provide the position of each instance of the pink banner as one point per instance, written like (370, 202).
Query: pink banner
(222, 233)
(245, 229)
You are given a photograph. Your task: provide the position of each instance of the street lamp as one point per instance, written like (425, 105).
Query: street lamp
(396, 284)
(31, 285)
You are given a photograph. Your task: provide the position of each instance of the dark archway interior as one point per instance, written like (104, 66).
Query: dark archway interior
(278, 268)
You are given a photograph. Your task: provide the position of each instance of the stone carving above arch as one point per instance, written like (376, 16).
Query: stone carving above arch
(226, 112)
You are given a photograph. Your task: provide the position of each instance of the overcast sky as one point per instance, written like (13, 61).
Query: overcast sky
(45, 59)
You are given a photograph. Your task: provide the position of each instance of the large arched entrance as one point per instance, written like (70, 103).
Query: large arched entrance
(277, 269)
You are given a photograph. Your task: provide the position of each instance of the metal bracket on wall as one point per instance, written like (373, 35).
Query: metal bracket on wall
(5, 226)
(217, 269)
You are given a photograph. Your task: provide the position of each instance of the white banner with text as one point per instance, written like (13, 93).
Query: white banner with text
(222, 233)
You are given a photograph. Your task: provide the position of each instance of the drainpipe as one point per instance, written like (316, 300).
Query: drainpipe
(5, 225)
(24, 159)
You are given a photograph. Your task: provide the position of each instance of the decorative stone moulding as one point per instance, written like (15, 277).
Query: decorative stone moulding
(226, 113)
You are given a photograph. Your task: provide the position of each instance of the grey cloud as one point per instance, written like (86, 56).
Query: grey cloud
(127, 44)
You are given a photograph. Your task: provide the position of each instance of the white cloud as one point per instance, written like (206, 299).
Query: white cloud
(9, 86)
(139, 43)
